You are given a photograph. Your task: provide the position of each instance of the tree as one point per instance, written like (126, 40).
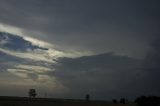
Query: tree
(87, 97)
(114, 100)
(148, 101)
(122, 100)
(32, 93)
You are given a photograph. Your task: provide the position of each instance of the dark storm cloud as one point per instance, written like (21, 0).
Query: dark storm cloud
(107, 76)
(99, 24)
(104, 76)
(152, 64)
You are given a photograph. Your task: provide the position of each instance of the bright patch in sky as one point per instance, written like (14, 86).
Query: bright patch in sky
(29, 60)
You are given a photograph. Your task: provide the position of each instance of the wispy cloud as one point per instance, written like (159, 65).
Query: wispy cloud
(11, 29)
(35, 69)
(19, 73)
(37, 55)
(20, 32)
(53, 50)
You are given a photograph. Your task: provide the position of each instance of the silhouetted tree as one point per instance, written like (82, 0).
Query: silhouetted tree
(122, 100)
(87, 97)
(114, 100)
(148, 101)
(32, 93)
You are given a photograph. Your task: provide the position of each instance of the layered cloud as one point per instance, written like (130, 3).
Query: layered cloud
(104, 76)
(97, 26)
(28, 61)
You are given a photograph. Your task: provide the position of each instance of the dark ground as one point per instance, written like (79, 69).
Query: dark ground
(25, 101)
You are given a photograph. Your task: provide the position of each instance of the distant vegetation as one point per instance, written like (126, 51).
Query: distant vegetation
(32, 101)
(32, 93)
(148, 101)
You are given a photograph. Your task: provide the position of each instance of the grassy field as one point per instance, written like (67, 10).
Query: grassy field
(23, 101)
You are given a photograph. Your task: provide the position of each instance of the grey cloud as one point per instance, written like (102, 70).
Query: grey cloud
(104, 76)
(151, 64)
(107, 76)
(99, 24)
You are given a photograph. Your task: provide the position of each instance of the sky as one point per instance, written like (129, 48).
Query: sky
(70, 48)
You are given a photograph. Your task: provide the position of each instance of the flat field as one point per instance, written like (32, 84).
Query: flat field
(23, 101)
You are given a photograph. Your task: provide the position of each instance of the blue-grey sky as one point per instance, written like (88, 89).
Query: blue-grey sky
(67, 48)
